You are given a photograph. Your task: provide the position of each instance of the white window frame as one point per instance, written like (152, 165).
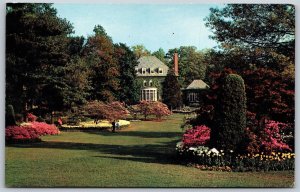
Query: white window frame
(145, 83)
(150, 83)
(149, 94)
(160, 70)
(143, 70)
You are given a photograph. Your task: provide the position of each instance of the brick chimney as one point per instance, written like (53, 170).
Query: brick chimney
(176, 63)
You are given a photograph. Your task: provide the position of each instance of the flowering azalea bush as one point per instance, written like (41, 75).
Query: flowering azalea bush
(198, 135)
(15, 134)
(31, 117)
(42, 128)
(29, 132)
(271, 138)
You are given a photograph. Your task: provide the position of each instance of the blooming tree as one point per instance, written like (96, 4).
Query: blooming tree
(156, 108)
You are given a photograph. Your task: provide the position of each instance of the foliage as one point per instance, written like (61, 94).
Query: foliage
(10, 118)
(160, 109)
(271, 25)
(191, 64)
(156, 108)
(36, 53)
(270, 94)
(29, 132)
(78, 78)
(205, 158)
(100, 110)
(127, 62)
(99, 51)
(160, 54)
(140, 50)
(31, 117)
(199, 135)
(171, 91)
(16, 134)
(230, 114)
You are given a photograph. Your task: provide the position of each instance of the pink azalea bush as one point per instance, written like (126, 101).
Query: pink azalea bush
(31, 117)
(29, 132)
(271, 139)
(199, 135)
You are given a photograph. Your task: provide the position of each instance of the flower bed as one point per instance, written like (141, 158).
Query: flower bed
(29, 132)
(205, 158)
(91, 125)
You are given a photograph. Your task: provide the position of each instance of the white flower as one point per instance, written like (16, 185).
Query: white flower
(193, 149)
(231, 151)
(215, 151)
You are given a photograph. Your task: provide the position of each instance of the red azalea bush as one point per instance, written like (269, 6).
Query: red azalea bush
(29, 132)
(20, 134)
(31, 117)
(42, 128)
(199, 135)
(271, 139)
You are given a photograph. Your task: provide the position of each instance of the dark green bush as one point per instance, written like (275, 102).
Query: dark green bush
(228, 131)
(10, 118)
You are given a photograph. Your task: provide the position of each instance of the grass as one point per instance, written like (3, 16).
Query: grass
(141, 155)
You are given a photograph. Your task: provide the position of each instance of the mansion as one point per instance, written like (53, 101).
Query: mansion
(151, 73)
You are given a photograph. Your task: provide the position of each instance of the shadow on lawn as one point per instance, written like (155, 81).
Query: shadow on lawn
(154, 153)
(142, 134)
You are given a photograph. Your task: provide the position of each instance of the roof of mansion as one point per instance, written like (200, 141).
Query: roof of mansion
(151, 66)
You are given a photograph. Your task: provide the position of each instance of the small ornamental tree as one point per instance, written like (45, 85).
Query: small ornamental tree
(156, 108)
(171, 91)
(230, 114)
(160, 109)
(100, 110)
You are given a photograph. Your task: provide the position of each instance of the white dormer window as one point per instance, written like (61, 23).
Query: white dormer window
(136, 70)
(160, 70)
(145, 83)
(143, 70)
(151, 71)
(150, 83)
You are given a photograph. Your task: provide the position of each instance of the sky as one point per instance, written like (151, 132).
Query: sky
(155, 26)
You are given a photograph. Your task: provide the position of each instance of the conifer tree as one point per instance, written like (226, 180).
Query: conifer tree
(230, 114)
(171, 91)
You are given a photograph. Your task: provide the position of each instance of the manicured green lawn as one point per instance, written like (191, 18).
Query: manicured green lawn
(142, 155)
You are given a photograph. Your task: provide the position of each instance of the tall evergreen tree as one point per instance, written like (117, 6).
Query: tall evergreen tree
(228, 130)
(171, 91)
(36, 53)
(127, 62)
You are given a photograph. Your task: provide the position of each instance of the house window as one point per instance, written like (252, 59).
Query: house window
(136, 70)
(152, 71)
(193, 97)
(143, 70)
(145, 83)
(160, 70)
(150, 83)
(149, 94)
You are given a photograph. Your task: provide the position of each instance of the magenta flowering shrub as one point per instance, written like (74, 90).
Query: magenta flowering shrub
(29, 132)
(271, 139)
(199, 135)
(20, 134)
(42, 128)
(31, 117)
